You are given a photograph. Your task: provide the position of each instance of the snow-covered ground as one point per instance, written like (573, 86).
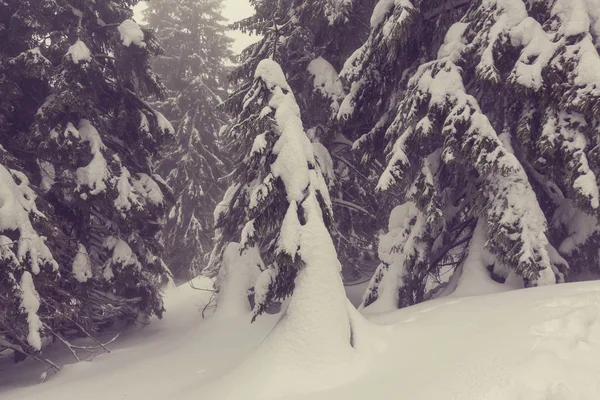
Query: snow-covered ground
(533, 344)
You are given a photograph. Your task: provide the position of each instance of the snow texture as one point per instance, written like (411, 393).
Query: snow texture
(121, 253)
(17, 203)
(566, 130)
(163, 123)
(147, 188)
(82, 265)
(293, 149)
(48, 174)
(579, 226)
(95, 174)
(259, 144)
(326, 81)
(238, 273)
(405, 227)
(131, 33)
(30, 304)
(79, 52)
(383, 7)
(454, 42)
(537, 344)
(473, 275)
(537, 46)
(126, 195)
(224, 204)
(325, 161)
(272, 75)
(549, 45)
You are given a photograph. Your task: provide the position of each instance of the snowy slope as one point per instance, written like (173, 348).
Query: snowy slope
(533, 344)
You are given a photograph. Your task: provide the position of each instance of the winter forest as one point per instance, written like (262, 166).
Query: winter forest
(383, 198)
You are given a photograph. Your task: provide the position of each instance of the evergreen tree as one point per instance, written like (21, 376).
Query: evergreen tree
(80, 249)
(196, 50)
(282, 201)
(311, 41)
(488, 116)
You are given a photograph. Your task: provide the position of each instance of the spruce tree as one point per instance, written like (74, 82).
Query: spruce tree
(488, 117)
(78, 143)
(311, 40)
(193, 69)
(282, 202)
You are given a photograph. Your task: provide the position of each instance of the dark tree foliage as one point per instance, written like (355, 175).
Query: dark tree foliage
(77, 147)
(193, 69)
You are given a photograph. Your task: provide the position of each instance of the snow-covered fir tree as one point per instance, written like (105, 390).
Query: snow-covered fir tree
(81, 203)
(193, 69)
(311, 40)
(282, 201)
(487, 112)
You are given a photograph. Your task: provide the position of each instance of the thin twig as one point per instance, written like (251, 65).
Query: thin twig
(64, 341)
(212, 298)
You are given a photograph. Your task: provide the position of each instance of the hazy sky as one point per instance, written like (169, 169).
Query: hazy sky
(234, 11)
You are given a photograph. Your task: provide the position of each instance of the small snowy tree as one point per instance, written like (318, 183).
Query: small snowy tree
(193, 70)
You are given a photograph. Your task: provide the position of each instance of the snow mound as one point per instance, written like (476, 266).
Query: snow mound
(532, 344)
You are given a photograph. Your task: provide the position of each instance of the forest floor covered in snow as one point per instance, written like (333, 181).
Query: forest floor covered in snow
(533, 344)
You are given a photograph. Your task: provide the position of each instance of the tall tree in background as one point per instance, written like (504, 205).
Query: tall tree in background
(488, 114)
(193, 69)
(81, 203)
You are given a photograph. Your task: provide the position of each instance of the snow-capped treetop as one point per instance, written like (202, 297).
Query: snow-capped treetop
(284, 205)
(271, 74)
